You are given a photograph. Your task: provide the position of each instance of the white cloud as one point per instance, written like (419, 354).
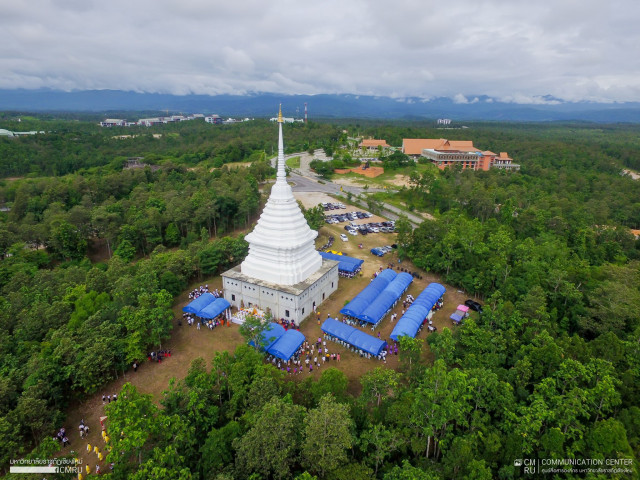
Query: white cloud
(460, 98)
(517, 50)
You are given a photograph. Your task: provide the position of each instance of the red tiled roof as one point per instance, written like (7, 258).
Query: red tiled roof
(370, 142)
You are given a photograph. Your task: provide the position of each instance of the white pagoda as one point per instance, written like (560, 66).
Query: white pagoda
(283, 271)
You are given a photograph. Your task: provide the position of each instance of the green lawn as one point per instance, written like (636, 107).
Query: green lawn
(293, 162)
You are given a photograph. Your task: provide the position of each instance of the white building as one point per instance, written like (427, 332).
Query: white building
(215, 119)
(113, 122)
(283, 272)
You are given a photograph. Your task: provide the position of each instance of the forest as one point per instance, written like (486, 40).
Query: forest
(93, 255)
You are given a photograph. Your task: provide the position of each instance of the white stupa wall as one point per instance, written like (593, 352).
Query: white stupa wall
(282, 245)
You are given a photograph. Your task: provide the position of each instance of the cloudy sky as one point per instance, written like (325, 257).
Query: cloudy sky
(514, 50)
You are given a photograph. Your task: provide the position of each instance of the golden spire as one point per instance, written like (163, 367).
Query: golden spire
(280, 115)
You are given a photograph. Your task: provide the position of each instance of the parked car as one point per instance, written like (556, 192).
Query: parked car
(343, 237)
(351, 231)
(473, 305)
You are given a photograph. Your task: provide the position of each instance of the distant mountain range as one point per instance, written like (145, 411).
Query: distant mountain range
(320, 106)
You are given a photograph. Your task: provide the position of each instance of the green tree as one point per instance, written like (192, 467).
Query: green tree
(379, 442)
(327, 436)
(172, 235)
(125, 250)
(409, 472)
(254, 330)
(331, 381)
(67, 242)
(271, 446)
(379, 384)
(404, 230)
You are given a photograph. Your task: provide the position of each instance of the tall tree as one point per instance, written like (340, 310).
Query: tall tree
(327, 436)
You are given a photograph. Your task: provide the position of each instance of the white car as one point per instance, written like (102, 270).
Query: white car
(351, 231)
(343, 237)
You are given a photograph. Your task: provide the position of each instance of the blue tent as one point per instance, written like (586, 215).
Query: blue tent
(286, 345)
(456, 317)
(199, 303)
(353, 336)
(347, 264)
(404, 328)
(214, 309)
(356, 306)
(383, 302)
(270, 335)
(366, 342)
(410, 322)
(337, 329)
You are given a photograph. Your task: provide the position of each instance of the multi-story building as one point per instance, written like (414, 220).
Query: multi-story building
(446, 153)
(214, 119)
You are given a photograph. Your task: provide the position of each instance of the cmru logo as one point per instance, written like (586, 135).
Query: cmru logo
(530, 464)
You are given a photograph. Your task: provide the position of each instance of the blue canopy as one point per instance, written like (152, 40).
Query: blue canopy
(214, 309)
(270, 335)
(199, 303)
(456, 317)
(353, 336)
(366, 342)
(337, 329)
(286, 345)
(347, 264)
(356, 306)
(404, 328)
(410, 322)
(383, 302)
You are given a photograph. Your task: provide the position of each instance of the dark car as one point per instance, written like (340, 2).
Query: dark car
(473, 305)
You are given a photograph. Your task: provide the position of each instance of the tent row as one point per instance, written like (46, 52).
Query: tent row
(367, 296)
(412, 320)
(379, 297)
(207, 306)
(353, 336)
(279, 342)
(346, 264)
(387, 299)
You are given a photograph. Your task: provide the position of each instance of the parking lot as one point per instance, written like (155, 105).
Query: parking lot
(354, 227)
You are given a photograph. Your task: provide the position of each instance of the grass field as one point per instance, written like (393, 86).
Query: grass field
(293, 162)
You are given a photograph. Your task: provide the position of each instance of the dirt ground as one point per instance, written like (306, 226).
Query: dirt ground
(399, 180)
(311, 199)
(370, 172)
(188, 343)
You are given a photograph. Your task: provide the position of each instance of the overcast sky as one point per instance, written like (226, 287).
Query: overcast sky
(510, 49)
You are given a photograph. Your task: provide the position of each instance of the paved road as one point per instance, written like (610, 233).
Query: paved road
(307, 181)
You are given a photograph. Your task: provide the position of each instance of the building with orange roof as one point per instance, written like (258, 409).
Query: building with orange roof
(446, 153)
(414, 146)
(372, 144)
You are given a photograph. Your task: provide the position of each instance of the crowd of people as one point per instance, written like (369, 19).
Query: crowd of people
(191, 319)
(327, 245)
(61, 437)
(196, 292)
(83, 428)
(309, 356)
(364, 354)
(108, 398)
(158, 356)
(287, 324)
(353, 274)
